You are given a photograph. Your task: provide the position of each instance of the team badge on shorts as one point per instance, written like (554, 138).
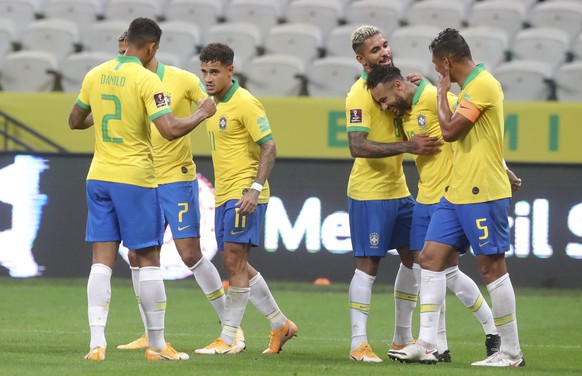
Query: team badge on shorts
(160, 100)
(421, 120)
(356, 116)
(222, 123)
(374, 240)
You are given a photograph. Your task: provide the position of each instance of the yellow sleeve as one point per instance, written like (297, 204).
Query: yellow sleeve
(196, 90)
(83, 99)
(152, 94)
(256, 122)
(358, 116)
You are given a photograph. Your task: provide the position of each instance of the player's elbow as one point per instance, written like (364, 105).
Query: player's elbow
(449, 136)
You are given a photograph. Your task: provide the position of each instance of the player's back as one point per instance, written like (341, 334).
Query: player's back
(123, 97)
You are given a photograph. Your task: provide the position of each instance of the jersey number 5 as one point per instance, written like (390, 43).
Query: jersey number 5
(108, 117)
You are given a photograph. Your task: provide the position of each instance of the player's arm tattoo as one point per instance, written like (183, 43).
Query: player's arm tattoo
(361, 147)
(266, 161)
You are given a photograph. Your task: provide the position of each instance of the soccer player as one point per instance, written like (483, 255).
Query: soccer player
(243, 154)
(178, 189)
(474, 208)
(417, 107)
(122, 197)
(380, 205)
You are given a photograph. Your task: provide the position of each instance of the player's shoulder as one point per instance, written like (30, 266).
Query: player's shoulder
(359, 95)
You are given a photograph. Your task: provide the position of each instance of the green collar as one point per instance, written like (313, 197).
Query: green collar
(230, 92)
(128, 59)
(160, 70)
(364, 75)
(419, 91)
(478, 69)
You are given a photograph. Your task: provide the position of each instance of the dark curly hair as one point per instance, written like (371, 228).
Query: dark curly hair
(217, 52)
(143, 31)
(383, 74)
(450, 43)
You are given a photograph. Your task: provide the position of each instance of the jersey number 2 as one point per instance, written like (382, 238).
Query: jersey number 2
(108, 117)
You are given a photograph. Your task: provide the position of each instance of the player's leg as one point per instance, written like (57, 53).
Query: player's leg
(182, 212)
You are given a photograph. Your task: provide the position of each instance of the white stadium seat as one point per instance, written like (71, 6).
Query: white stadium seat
(412, 42)
(385, 14)
(576, 48)
(524, 80)
(339, 41)
(202, 13)
(168, 58)
(179, 38)
(29, 71)
(332, 76)
(127, 10)
(243, 38)
(423, 67)
(61, 37)
(489, 45)
(323, 14)
(21, 12)
(83, 12)
(503, 14)
(102, 36)
(568, 80)
(438, 13)
(263, 13)
(77, 66)
(300, 40)
(558, 14)
(6, 38)
(274, 76)
(544, 44)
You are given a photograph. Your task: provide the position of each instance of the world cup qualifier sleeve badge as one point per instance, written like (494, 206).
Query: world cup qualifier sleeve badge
(374, 240)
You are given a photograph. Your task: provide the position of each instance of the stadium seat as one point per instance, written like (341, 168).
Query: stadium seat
(385, 14)
(102, 36)
(179, 38)
(525, 80)
(576, 48)
(29, 71)
(168, 58)
(61, 37)
(568, 79)
(325, 15)
(202, 13)
(77, 66)
(489, 45)
(21, 12)
(423, 67)
(243, 38)
(543, 44)
(507, 15)
(412, 42)
(339, 41)
(563, 15)
(127, 10)
(263, 13)
(301, 40)
(332, 76)
(83, 12)
(275, 76)
(438, 13)
(6, 38)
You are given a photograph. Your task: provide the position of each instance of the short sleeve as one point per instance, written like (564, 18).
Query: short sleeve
(358, 115)
(152, 94)
(256, 122)
(195, 89)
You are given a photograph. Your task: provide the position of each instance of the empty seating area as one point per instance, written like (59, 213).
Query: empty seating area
(297, 47)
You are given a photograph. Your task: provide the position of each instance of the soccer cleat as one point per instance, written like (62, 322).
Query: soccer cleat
(168, 353)
(218, 347)
(492, 343)
(277, 338)
(416, 353)
(364, 353)
(395, 348)
(444, 357)
(501, 359)
(139, 344)
(96, 353)
(239, 340)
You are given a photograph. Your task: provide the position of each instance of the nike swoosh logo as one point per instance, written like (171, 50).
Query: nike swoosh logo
(465, 107)
(483, 244)
(183, 228)
(428, 352)
(236, 232)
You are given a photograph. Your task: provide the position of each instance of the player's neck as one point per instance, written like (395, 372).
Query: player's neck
(223, 92)
(462, 71)
(153, 65)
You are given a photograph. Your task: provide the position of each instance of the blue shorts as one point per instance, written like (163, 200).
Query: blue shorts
(420, 220)
(376, 226)
(483, 225)
(181, 208)
(123, 212)
(230, 227)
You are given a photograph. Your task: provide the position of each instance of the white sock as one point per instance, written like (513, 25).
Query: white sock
(234, 310)
(209, 281)
(263, 300)
(468, 293)
(152, 296)
(432, 295)
(360, 297)
(135, 282)
(417, 274)
(503, 302)
(98, 298)
(405, 296)
(442, 343)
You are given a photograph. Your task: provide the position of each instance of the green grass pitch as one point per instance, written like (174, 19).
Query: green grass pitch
(43, 331)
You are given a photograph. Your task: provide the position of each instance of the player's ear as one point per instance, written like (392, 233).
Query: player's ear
(230, 69)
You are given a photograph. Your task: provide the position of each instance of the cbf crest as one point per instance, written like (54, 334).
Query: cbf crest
(222, 123)
(374, 240)
(421, 120)
(168, 98)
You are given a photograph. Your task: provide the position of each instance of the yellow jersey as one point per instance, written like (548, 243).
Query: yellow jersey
(374, 178)
(124, 98)
(173, 159)
(236, 131)
(434, 170)
(478, 171)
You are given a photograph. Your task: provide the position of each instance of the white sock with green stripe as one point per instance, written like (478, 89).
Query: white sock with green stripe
(432, 294)
(234, 310)
(265, 303)
(98, 297)
(152, 295)
(405, 296)
(503, 302)
(360, 296)
(209, 281)
(469, 294)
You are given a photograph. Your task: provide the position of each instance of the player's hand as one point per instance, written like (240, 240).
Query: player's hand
(444, 80)
(207, 106)
(248, 202)
(415, 78)
(425, 145)
(513, 180)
